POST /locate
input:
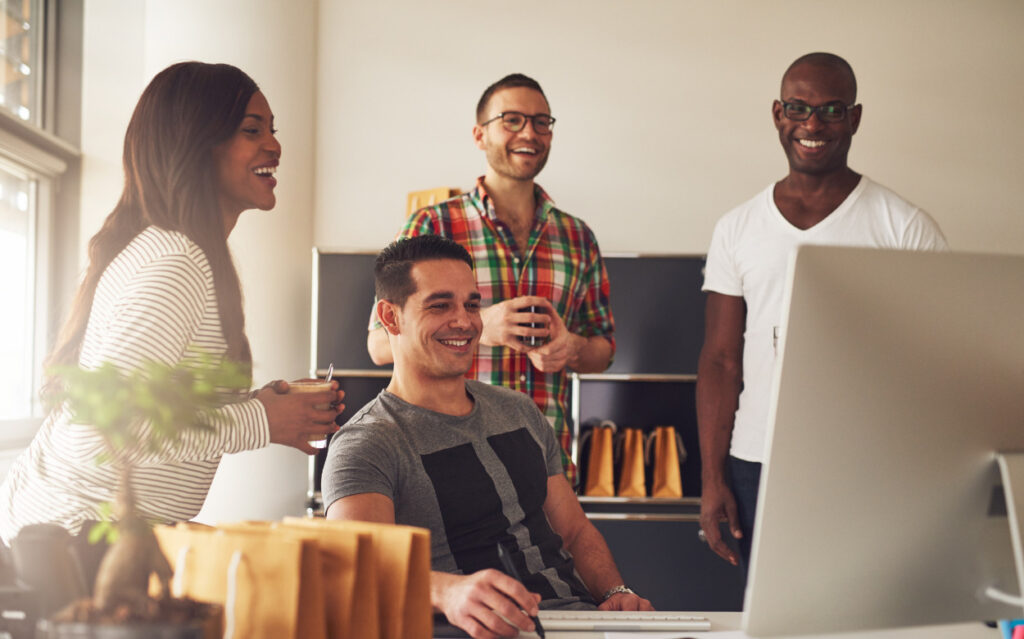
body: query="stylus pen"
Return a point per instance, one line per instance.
(510, 568)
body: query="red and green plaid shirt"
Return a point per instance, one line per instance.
(562, 263)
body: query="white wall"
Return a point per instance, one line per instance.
(126, 43)
(663, 107)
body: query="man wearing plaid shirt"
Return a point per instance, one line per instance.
(527, 254)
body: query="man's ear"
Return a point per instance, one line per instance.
(478, 136)
(777, 113)
(854, 116)
(387, 313)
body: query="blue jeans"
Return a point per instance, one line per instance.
(745, 477)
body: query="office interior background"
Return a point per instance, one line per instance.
(663, 111)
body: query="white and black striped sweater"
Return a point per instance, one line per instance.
(155, 302)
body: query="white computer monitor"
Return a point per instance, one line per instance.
(901, 375)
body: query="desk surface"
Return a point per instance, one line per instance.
(725, 625)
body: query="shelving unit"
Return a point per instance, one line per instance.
(640, 401)
(659, 330)
(641, 508)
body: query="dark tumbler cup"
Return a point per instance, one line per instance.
(531, 340)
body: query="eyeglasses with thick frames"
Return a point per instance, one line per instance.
(514, 122)
(831, 112)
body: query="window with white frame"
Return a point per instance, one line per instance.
(18, 226)
(35, 155)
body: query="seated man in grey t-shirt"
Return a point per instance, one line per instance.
(476, 464)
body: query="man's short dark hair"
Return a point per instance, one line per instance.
(508, 82)
(392, 271)
(823, 59)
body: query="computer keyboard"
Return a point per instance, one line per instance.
(610, 620)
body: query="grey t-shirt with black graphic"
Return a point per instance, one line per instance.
(473, 481)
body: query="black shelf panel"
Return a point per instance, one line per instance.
(659, 312)
(343, 294)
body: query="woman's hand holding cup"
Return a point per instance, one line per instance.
(302, 413)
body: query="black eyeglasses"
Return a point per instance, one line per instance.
(831, 112)
(514, 121)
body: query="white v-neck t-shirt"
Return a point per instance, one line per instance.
(748, 258)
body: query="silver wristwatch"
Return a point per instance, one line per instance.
(616, 590)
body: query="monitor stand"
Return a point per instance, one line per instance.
(1011, 467)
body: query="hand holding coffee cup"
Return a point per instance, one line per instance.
(301, 412)
(533, 340)
(313, 386)
(512, 322)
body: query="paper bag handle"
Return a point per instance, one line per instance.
(680, 448)
(592, 425)
(178, 582)
(232, 595)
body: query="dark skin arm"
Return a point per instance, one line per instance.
(719, 379)
(294, 418)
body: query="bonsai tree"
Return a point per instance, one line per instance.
(173, 400)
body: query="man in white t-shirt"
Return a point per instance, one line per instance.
(821, 201)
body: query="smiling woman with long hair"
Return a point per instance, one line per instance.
(161, 286)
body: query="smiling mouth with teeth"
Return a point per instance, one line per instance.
(265, 171)
(811, 144)
(525, 150)
(454, 342)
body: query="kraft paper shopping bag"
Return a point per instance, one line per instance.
(352, 595)
(632, 481)
(269, 586)
(402, 555)
(600, 480)
(669, 454)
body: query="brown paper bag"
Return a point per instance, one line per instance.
(402, 556)
(269, 586)
(600, 480)
(350, 579)
(631, 476)
(349, 576)
(312, 620)
(669, 453)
